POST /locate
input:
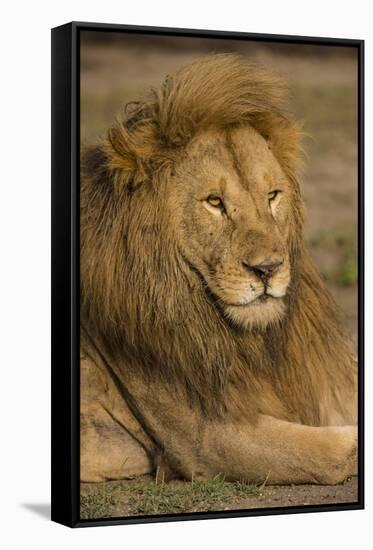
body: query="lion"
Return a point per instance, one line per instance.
(209, 342)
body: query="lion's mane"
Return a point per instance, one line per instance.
(140, 302)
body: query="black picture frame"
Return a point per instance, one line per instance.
(65, 270)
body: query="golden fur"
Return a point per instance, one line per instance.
(164, 298)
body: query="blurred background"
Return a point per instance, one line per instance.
(117, 68)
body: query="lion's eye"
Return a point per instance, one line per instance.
(215, 201)
(272, 195)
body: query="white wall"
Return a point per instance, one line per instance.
(25, 261)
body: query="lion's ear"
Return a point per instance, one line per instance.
(128, 154)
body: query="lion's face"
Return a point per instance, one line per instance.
(231, 203)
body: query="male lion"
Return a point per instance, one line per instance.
(210, 345)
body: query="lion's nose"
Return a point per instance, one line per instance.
(265, 269)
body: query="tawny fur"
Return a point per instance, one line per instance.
(149, 320)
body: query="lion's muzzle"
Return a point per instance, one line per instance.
(265, 269)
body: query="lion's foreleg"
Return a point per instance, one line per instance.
(279, 452)
(267, 449)
(193, 446)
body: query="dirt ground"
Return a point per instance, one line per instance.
(323, 95)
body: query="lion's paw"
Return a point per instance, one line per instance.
(342, 461)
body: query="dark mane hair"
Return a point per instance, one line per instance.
(147, 308)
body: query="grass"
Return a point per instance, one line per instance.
(347, 274)
(340, 242)
(151, 498)
(98, 503)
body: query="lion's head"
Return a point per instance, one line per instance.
(231, 205)
(214, 155)
(193, 265)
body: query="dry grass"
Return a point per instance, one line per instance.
(144, 497)
(150, 498)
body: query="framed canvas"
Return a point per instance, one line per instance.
(207, 277)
